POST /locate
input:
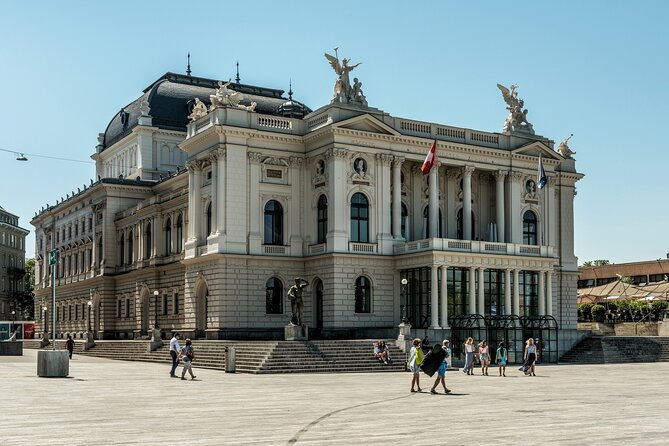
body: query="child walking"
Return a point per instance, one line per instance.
(441, 373)
(501, 359)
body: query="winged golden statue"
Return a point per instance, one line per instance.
(343, 92)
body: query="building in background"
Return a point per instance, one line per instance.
(211, 198)
(12, 266)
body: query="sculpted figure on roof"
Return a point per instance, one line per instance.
(516, 121)
(343, 91)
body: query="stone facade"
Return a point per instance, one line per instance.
(12, 265)
(253, 199)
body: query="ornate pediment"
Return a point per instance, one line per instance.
(367, 123)
(537, 148)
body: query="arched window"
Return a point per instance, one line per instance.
(460, 233)
(149, 241)
(121, 254)
(209, 218)
(363, 295)
(273, 223)
(273, 296)
(322, 219)
(359, 218)
(168, 237)
(529, 228)
(180, 234)
(405, 222)
(100, 253)
(426, 222)
(130, 246)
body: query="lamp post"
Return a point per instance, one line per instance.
(11, 329)
(156, 293)
(90, 305)
(46, 319)
(404, 299)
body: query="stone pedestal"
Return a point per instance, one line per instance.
(404, 337)
(11, 348)
(53, 363)
(156, 340)
(90, 341)
(296, 333)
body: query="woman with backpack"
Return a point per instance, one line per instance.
(415, 359)
(187, 355)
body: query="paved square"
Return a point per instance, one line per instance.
(117, 402)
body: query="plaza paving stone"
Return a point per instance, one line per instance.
(107, 402)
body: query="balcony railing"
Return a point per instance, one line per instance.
(474, 246)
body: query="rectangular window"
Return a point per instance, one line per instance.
(70, 312)
(494, 292)
(118, 308)
(127, 308)
(529, 293)
(176, 302)
(165, 304)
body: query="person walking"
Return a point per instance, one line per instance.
(530, 357)
(441, 373)
(469, 356)
(69, 345)
(484, 355)
(175, 348)
(415, 359)
(187, 354)
(501, 359)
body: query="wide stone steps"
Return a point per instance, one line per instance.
(618, 349)
(260, 357)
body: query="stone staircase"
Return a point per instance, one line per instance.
(618, 349)
(330, 357)
(255, 356)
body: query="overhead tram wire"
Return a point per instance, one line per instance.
(21, 156)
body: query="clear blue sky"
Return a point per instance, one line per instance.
(598, 69)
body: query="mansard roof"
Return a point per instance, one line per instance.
(171, 99)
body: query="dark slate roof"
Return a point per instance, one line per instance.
(171, 98)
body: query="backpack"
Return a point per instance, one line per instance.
(190, 354)
(419, 355)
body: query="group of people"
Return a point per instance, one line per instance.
(185, 354)
(381, 351)
(501, 357)
(419, 354)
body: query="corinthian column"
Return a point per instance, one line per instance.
(434, 298)
(499, 205)
(467, 202)
(397, 197)
(213, 158)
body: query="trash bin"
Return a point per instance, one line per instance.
(230, 359)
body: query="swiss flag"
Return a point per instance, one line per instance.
(430, 159)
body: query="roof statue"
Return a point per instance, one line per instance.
(343, 91)
(564, 150)
(228, 97)
(199, 110)
(144, 108)
(517, 119)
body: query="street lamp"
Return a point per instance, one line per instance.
(404, 299)
(46, 319)
(13, 318)
(90, 305)
(156, 293)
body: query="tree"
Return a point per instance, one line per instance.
(26, 299)
(599, 262)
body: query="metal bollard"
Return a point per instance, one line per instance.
(230, 359)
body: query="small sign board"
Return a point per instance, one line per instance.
(53, 257)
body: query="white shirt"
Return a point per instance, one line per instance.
(174, 345)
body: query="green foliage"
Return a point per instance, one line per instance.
(25, 299)
(599, 262)
(598, 312)
(658, 307)
(585, 309)
(624, 305)
(627, 279)
(640, 305)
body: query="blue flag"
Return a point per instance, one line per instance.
(541, 174)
